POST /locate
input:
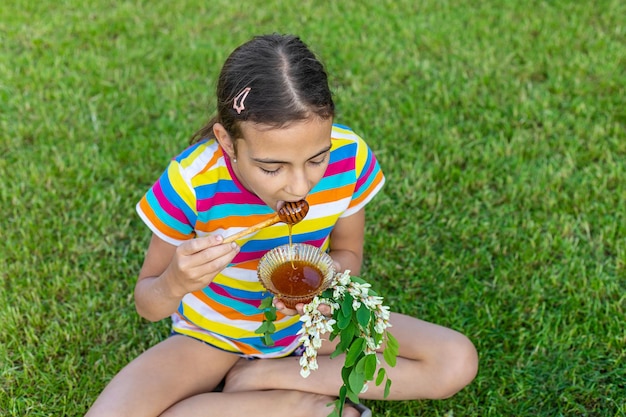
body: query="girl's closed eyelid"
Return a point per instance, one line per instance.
(268, 172)
(320, 160)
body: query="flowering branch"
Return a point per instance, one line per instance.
(360, 319)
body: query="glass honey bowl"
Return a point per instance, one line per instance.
(296, 273)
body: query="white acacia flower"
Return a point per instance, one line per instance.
(315, 324)
(316, 343)
(380, 326)
(306, 319)
(382, 311)
(344, 279)
(339, 292)
(371, 345)
(373, 301)
(304, 361)
(311, 351)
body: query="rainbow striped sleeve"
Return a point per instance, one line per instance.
(369, 177)
(169, 207)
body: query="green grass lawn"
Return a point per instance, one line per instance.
(501, 127)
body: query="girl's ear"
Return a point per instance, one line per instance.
(225, 141)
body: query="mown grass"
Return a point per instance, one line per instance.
(501, 127)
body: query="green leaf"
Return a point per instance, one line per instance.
(349, 332)
(376, 337)
(328, 293)
(381, 376)
(347, 335)
(262, 328)
(266, 303)
(341, 400)
(358, 280)
(343, 321)
(345, 375)
(353, 396)
(346, 305)
(389, 356)
(355, 350)
(363, 315)
(338, 351)
(356, 381)
(387, 388)
(267, 339)
(270, 314)
(370, 366)
(335, 412)
(341, 347)
(360, 365)
(392, 343)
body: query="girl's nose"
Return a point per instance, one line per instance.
(298, 186)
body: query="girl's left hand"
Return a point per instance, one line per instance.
(280, 307)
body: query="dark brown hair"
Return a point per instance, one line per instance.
(287, 83)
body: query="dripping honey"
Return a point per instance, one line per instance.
(297, 278)
(290, 240)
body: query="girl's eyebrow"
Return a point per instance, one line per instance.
(276, 161)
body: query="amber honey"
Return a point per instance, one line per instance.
(297, 278)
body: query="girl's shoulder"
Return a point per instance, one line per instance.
(347, 141)
(342, 131)
(201, 156)
(199, 150)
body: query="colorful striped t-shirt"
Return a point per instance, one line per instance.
(199, 195)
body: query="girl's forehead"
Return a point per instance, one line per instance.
(312, 129)
(306, 136)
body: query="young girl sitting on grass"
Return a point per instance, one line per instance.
(272, 141)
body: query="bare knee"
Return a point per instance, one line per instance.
(459, 366)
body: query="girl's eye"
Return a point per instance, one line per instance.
(319, 161)
(268, 172)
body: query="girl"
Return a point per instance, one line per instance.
(272, 141)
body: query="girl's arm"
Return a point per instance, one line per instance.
(346, 242)
(169, 272)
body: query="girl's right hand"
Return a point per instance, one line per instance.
(196, 263)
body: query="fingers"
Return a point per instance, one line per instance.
(198, 261)
(212, 260)
(199, 244)
(299, 308)
(282, 308)
(325, 310)
(219, 255)
(204, 251)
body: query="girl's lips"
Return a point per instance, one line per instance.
(281, 203)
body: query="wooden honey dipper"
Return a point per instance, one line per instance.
(291, 213)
